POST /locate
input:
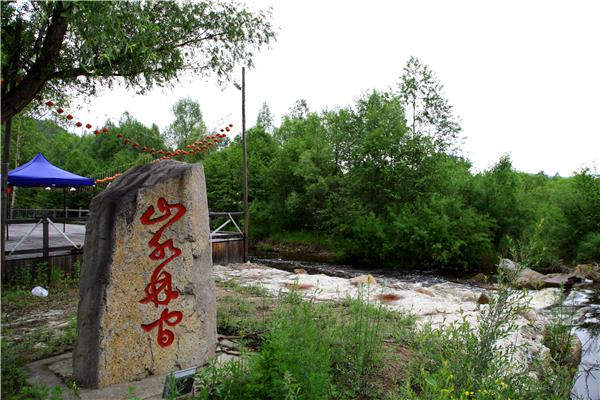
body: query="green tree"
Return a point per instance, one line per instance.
(429, 112)
(188, 124)
(58, 47)
(265, 118)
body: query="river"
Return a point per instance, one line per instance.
(582, 304)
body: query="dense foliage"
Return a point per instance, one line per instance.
(386, 197)
(380, 192)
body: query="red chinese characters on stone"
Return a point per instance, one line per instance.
(160, 291)
(165, 337)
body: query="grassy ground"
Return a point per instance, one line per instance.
(302, 349)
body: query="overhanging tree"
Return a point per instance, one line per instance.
(56, 46)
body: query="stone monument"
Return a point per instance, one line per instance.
(146, 296)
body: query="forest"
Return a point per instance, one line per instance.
(381, 182)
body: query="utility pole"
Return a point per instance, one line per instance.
(245, 168)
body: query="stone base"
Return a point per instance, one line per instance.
(58, 371)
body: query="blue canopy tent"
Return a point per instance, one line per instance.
(39, 172)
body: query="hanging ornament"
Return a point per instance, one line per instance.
(70, 117)
(78, 124)
(88, 126)
(60, 110)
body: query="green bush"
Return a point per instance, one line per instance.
(588, 249)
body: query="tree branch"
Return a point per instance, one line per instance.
(22, 94)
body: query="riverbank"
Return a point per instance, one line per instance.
(440, 340)
(385, 340)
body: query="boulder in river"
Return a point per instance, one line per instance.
(529, 279)
(364, 280)
(560, 280)
(300, 271)
(587, 271)
(483, 299)
(479, 278)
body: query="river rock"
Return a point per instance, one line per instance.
(424, 291)
(364, 280)
(483, 299)
(587, 271)
(529, 279)
(479, 278)
(147, 302)
(542, 299)
(560, 280)
(300, 271)
(508, 265)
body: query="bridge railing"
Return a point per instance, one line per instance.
(226, 225)
(223, 225)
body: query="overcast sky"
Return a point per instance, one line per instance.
(524, 76)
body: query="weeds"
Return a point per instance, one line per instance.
(466, 362)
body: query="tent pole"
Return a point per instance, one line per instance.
(64, 208)
(3, 197)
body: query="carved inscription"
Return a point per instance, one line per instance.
(160, 291)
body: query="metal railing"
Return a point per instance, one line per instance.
(220, 220)
(45, 249)
(54, 213)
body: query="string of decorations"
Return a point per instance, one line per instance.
(201, 146)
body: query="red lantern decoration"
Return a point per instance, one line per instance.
(60, 111)
(127, 140)
(231, 125)
(96, 132)
(104, 130)
(70, 117)
(119, 136)
(88, 126)
(78, 124)
(227, 129)
(49, 103)
(222, 130)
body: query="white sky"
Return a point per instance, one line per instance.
(524, 76)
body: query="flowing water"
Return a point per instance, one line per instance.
(582, 301)
(586, 302)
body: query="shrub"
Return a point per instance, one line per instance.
(589, 248)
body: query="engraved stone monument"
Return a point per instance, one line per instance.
(146, 296)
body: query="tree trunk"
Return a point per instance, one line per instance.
(4, 185)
